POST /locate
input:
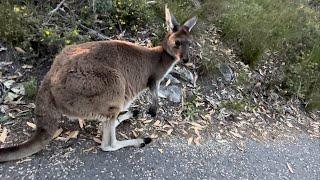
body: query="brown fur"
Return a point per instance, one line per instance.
(97, 80)
(104, 80)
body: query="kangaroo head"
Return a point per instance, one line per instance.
(178, 37)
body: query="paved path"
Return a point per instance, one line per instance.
(211, 160)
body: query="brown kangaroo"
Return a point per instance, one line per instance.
(99, 80)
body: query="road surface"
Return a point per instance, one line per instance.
(174, 159)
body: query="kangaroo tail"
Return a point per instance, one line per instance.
(32, 146)
(47, 121)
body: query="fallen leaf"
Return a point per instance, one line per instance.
(61, 139)
(184, 132)
(221, 141)
(8, 83)
(11, 96)
(160, 150)
(2, 49)
(19, 50)
(189, 64)
(197, 141)
(23, 160)
(157, 123)
(81, 123)
(169, 131)
(154, 136)
(57, 133)
(197, 132)
(31, 105)
(166, 126)
(168, 82)
(173, 122)
(196, 125)
(140, 129)
(290, 167)
(147, 121)
(134, 134)
(32, 125)
(190, 140)
(11, 115)
(240, 145)
(27, 66)
(18, 89)
(97, 140)
(89, 149)
(289, 125)
(236, 134)
(123, 135)
(3, 135)
(4, 108)
(73, 134)
(207, 117)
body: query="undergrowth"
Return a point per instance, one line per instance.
(290, 28)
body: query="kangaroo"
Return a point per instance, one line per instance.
(99, 80)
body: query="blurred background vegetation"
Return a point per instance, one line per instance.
(289, 28)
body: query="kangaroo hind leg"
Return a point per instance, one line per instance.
(110, 142)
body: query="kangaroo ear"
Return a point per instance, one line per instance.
(171, 21)
(190, 23)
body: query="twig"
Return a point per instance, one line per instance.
(151, 2)
(94, 33)
(3, 92)
(57, 8)
(90, 31)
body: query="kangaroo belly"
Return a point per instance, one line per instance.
(130, 99)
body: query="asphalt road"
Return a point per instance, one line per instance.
(175, 159)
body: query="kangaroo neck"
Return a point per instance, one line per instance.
(165, 63)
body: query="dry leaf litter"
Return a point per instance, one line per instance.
(232, 105)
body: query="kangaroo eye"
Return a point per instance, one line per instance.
(177, 43)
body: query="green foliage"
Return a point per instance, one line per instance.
(289, 27)
(191, 109)
(258, 25)
(59, 37)
(182, 9)
(15, 22)
(314, 98)
(102, 6)
(303, 76)
(237, 106)
(124, 14)
(30, 87)
(243, 78)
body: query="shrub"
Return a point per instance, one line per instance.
(303, 77)
(124, 14)
(30, 87)
(15, 22)
(289, 27)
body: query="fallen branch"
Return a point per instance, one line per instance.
(57, 8)
(92, 32)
